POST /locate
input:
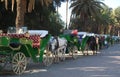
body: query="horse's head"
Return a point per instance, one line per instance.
(52, 43)
(57, 42)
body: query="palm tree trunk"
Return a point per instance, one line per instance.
(66, 14)
(21, 9)
(57, 14)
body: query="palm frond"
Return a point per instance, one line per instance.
(13, 2)
(45, 2)
(6, 4)
(2, 0)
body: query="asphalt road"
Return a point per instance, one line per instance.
(105, 64)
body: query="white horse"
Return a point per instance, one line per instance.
(58, 47)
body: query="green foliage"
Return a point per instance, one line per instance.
(7, 18)
(87, 11)
(91, 16)
(117, 14)
(117, 20)
(41, 17)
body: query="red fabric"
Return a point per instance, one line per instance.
(36, 40)
(75, 32)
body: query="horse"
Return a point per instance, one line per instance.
(92, 44)
(58, 47)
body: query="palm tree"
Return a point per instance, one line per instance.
(86, 10)
(21, 9)
(57, 4)
(20, 13)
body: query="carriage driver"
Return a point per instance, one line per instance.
(27, 35)
(74, 34)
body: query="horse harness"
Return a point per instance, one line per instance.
(57, 45)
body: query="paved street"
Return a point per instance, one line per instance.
(105, 64)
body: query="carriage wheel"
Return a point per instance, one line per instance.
(2, 65)
(73, 51)
(61, 54)
(3, 61)
(47, 57)
(19, 63)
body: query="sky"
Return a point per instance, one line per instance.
(62, 10)
(112, 3)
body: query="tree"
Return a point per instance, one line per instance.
(22, 8)
(117, 20)
(86, 10)
(7, 17)
(117, 14)
(57, 3)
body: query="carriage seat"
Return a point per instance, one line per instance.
(14, 45)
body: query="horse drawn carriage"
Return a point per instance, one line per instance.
(15, 49)
(79, 41)
(88, 42)
(38, 45)
(72, 43)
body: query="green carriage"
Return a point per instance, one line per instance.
(74, 45)
(88, 42)
(16, 49)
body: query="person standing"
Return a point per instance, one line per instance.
(97, 42)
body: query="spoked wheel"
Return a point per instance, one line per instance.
(19, 63)
(61, 54)
(47, 57)
(73, 52)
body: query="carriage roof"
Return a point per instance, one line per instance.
(67, 32)
(42, 33)
(82, 34)
(12, 30)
